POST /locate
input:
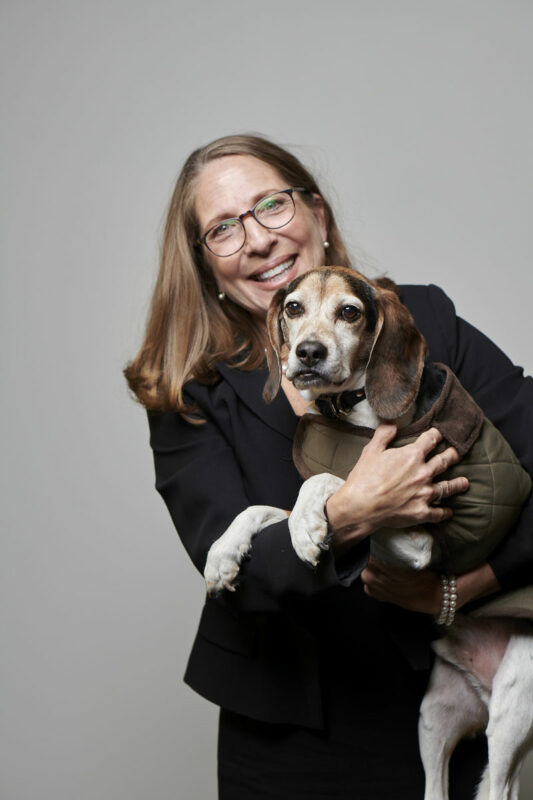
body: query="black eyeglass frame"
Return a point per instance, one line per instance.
(251, 213)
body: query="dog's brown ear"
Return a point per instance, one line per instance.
(274, 345)
(396, 361)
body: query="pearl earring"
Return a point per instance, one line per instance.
(326, 244)
(221, 295)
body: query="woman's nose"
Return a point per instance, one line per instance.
(258, 238)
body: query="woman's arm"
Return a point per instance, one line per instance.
(200, 480)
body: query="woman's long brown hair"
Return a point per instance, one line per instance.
(188, 330)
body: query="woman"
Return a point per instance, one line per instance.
(318, 679)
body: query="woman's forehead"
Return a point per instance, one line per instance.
(229, 185)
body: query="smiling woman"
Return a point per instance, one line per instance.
(319, 682)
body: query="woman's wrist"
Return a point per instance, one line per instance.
(476, 583)
(346, 528)
(458, 591)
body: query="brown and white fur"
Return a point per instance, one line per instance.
(342, 332)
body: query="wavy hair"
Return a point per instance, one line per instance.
(187, 329)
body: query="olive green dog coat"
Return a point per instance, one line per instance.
(499, 485)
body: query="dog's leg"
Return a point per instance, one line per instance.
(227, 552)
(307, 523)
(450, 710)
(510, 728)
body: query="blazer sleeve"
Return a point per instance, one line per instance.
(506, 397)
(200, 481)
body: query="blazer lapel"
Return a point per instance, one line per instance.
(249, 387)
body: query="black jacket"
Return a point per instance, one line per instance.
(255, 652)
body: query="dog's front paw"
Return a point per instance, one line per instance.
(227, 553)
(223, 564)
(307, 524)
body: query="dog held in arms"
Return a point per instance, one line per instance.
(353, 345)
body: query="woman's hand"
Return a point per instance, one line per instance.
(392, 487)
(421, 590)
(416, 590)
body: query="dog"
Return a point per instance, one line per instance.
(354, 350)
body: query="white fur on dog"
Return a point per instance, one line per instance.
(227, 552)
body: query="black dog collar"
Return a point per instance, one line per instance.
(335, 406)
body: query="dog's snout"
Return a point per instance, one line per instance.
(311, 352)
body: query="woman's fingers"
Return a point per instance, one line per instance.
(443, 461)
(383, 436)
(428, 440)
(399, 486)
(444, 489)
(436, 514)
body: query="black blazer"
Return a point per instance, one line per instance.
(255, 652)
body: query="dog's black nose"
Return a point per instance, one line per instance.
(311, 352)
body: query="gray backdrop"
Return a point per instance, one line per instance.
(417, 117)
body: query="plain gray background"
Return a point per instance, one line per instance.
(417, 117)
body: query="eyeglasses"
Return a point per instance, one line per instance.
(274, 211)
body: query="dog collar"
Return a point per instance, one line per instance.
(336, 406)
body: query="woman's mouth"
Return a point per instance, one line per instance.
(275, 272)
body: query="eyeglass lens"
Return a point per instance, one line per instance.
(228, 236)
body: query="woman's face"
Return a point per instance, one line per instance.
(269, 259)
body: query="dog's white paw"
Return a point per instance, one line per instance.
(307, 523)
(222, 566)
(228, 551)
(410, 548)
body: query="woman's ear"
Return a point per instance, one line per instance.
(274, 345)
(397, 358)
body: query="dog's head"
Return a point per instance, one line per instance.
(342, 330)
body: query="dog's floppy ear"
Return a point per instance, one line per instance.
(275, 343)
(396, 361)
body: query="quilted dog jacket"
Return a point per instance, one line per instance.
(482, 516)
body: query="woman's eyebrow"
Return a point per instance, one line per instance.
(228, 215)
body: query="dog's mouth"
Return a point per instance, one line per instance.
(307, 378)
(320, 383)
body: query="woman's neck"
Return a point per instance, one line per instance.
(298, 404)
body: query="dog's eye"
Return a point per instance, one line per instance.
(293, 309)
(350, 313)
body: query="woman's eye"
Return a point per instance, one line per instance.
(350, 313)
(226, 228)
(293, 309)
(268, 204)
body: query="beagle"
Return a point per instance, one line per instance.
(352, 348)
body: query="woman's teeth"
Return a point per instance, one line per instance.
(275, 271)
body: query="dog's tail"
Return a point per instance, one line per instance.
(483, 790)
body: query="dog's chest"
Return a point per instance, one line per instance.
(362, 414)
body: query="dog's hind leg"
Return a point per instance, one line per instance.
(510, 728)
(483, 788)
(450, 710)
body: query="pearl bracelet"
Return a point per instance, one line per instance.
(449, 600)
